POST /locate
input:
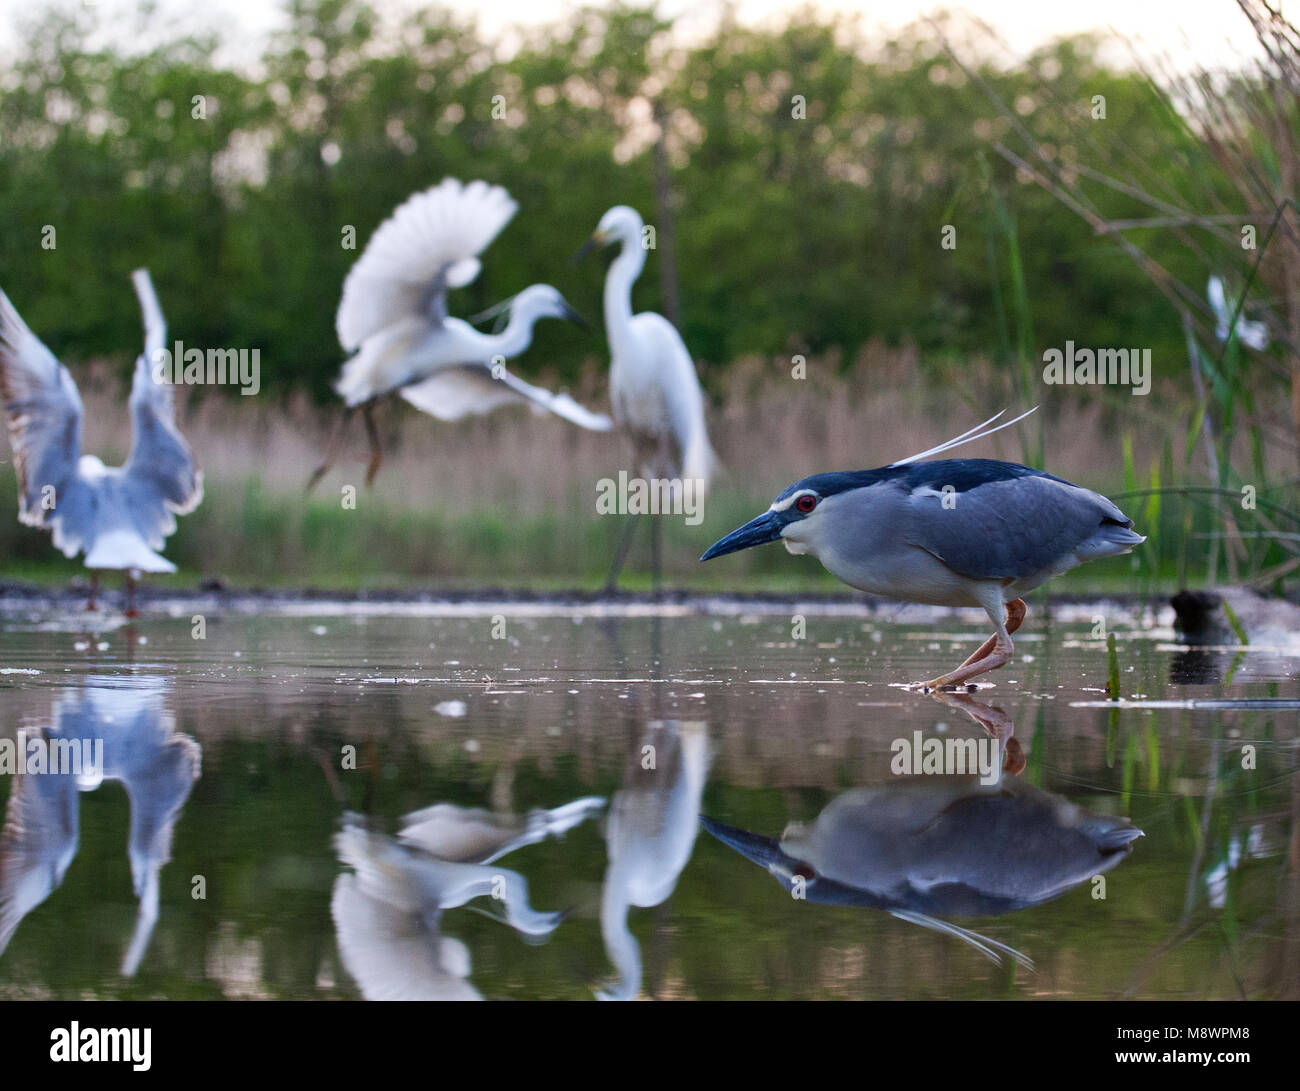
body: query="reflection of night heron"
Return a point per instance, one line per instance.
(652, 382)
(140, 749)
(650, 831)
(118, 516)
(393, 319)
(956, 532)
(943, 845)
(388, 913)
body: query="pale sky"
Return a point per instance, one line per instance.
(1191, 33)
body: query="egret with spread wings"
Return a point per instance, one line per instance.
(118, 516)
(393, 319)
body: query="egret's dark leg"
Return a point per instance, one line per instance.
(94, 590)
(131, 611)
(372, 433)
(656, 553)
(620, 552)
(992, 654)
(332, 449)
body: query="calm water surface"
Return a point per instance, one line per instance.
(506, 802)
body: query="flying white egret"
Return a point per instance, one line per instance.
(393, 319)
(653, 386)
(1251, 334)
(118, 515)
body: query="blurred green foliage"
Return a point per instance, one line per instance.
(813, 170)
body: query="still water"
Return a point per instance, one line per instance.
(320, 801)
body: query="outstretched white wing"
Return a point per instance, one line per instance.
(44, 415)
(37, 844)
(457, 392)
(160, 478)
(428, 245)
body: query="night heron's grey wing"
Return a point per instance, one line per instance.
(456, 392)
(428, 245)
(44, 414)
(998, 521)
(37, 844)
(160, 478)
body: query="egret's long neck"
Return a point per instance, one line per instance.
(512, 340)
(623, 272)
(620, 945)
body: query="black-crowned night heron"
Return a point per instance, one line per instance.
(118, 515)
(947, 845)
(653, 386)
(393, 319)
(954, 532)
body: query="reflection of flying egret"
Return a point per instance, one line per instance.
(650, 831)
(948, 845)
(956, 532)
(653, 386)
(141, 749)
(388, 912)
(118, 516)
(393, 319)
(1251, 334)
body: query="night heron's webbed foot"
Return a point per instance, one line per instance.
(993, 653)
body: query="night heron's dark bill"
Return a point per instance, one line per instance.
(766, 528)
(764, 851)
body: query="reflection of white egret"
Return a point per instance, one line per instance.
(388, 913)
(156, 766)
(472, 834)
(650, 831)
(119, 516)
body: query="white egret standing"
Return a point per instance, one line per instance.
(118, 515)
(653, 386)
(393, 318)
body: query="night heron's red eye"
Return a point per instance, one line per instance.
(805, 503)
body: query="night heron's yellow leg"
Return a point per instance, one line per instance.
(992, 654)
(996, 722)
